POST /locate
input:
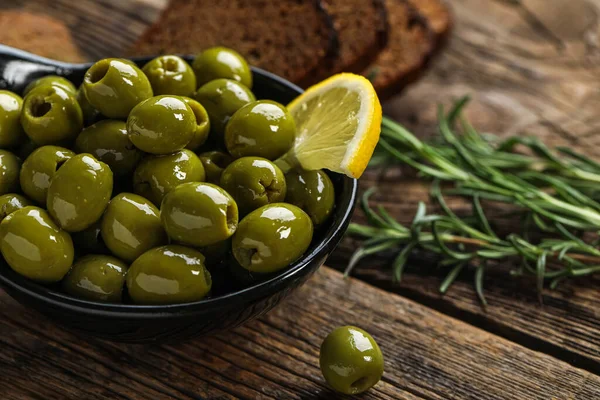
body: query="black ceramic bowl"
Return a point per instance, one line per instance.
(131, 323)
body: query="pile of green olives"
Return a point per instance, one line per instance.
(153, 185)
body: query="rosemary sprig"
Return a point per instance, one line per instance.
(554, 189)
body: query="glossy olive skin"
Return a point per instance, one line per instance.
(313, 192)
(109, 142)
(11, 132)
(96, 278)
(10, 166)
(170, 75)
(253, 182)
(52, 80)
(79, 192)
(39, 168)
(156, 176)
(264, 128)
(161, 125)
(131, 226)
(168, 275)
(222, 98)
(34, 246)
(90, 114)
(271, 237)
(89, 240)
(221, 62)
(214, 163)
(114, 86)
(202, 124)
(51, 115)
(350, 360)
(199, 214)
(12, 202)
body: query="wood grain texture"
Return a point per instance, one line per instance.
(428, 356)
(531, 66)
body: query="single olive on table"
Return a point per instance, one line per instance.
(350, 360)
(144, 185)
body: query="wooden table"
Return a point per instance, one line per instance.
(530, 65)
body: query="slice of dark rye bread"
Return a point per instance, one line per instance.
(291, 38)
(362, 28)
(411, 44)
(438, 16)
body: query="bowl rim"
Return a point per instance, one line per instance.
(333, 235)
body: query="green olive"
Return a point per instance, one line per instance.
(168, 275)
(161, 124)
(108, 141)
(51, 115)
(313, 192)
(52, 80)
(202, 124)
(96, 278)
(39, 168)
(214, 163)
(170, 75)
(156, 176)
(12, 202)
(350, 360)
(89, 240)
(222, 98)
(272, 237)
(253, 182)
(11, 132)
(199, 214)
(114, 86)
(34, 246)
(10, 167)
(221, 62)
(131, 226)
(79, 192)
(90, 114)
(263, 129)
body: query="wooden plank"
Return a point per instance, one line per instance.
(428, 356)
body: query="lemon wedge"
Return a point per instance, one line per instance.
(338, 122)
